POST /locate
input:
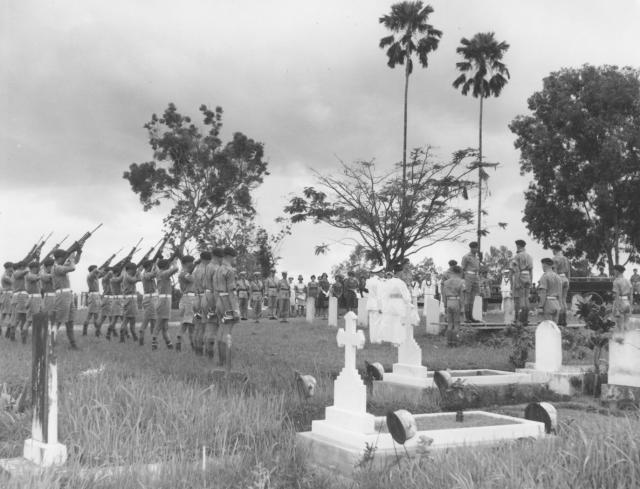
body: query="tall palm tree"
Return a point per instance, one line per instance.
(415, 37)
(484, 73)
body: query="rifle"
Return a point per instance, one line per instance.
(158, 254)
(77, 245)
(127, 258)
(48, 255)
(106, 263)
(33, 249)
(148, 254)
(36, 253)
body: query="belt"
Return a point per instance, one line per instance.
(524, 272)
(117, 296)
(552, 297)
(222, 294)
(151, 294)
(35, 295)
(94, 293)
(62, 290)
(470, 272)
(208, 291)
(164, 296)
(624, 297)
(453, 297)
(189, 294)
(563, 274)
(49, 294)
(273, 288)
(130, 296)
(18, 292)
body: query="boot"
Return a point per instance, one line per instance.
(72, 341)
(210, 350)
(85, 327)
(222, 353)
(524, 316)
(23, 334)
(169, 345)
(154, 343)
(98, 330)
(141, 338)
(562, 318)
(179, 343)
(12, 335)
(122, 336)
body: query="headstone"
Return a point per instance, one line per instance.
(43, 448)
(333, 311)
(575, 300)
(349, 410)
(624, 360)
(477, 308)
(432, 314)
(509, 310)
(311, 309)
(363, 313)
(548, 347)
(409, 364)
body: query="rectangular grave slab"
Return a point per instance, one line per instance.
(340, 450)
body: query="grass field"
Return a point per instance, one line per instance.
(162, 407)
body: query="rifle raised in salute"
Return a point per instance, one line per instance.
(57, 246)
(32, 251)
(127, 258)
(77, 245)
(109, 260)
(158, 254)
(148, 254)
(38, 250)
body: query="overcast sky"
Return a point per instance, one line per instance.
(79, 80)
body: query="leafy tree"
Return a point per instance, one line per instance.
(203, 179)
(359, 260)
(495, 261)
(581, 145)
(416, 37)
(369, 203)
(485, 75)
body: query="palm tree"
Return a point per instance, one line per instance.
(415, 36)
(484, 73)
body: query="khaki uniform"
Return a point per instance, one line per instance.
(271, 291)
(622, 292)
(242, 289)
(93, 296)
(551, 284)
(257, 288)
(453, 290)
(284, 298)
(562, 267)
(470, 265)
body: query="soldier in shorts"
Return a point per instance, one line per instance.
(187, 301)
(271, 291)
(522, 266)
(549, 291)
(20, 299)
(622, 291)
(563, 269)
(164, 271)
(470, 265)
(257, 288)
(201, 306)
(35, 303)
(48, 291)
(227, 308)
(242, 289)
(130, 301)
(453, 290)
(149, 301)
(105, 301)
(93, 300)
(211, 326)
(5, 298)
(115, 283)
(284, 298)
(64, 304)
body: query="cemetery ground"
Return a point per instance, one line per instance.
(127, 406)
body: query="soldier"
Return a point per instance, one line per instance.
(292, 298)
(271, 291)
(470, 272)
(130, 301)
(149, 301)
(105, 302)
(324, 292)
(284, 298)
(165, 269)
(64, 305)
(622, 291)
(242, 288)
(506, 290)
(115, 284)
(187, 301)
(34, 304)
(48, 290)
(563, 269)
(201, 303)
(257, 288)
(300, 291)
(211, 327)
(351, 292)
(20, 299)
(7, 293)
(522, 266)
(635, 283)
(227, 309)
(93, 300)
(453, 290)
(549, 291)
(448, 273)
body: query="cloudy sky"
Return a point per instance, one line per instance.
(79, 79)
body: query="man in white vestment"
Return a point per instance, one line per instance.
(397, 309)
(374, 286)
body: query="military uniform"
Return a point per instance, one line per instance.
(453, 290)
(622, 293)
(105, 302)
(227, 308)
(35, 303)
(186, 306)
(201, 306)
(550, 289)
(562, 267)
(5, 298)
(211, 326)
(284, 298)
(19, 301)
(64, 304)
(149, 303)
(470, 265)
(163, 311)
(94, 301)
(271, 290)
(257, 288)
(522, 266)
(242, 289)
(130, 304)
(48, 294)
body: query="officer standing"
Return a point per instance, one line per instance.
(470, 269)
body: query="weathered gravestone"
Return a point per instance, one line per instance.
(432, 314)
(477, 308)
(333, 311)
(310, 309)
(363, 312)
(623, 382)
(548, 347)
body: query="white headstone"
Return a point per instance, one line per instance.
(333, 311)
(311, 309)
(432, 314)
(548, 347)
(409, 352)
(624, 359)
(349, 410)
(477, 308)
(363, 312)
(509, 310)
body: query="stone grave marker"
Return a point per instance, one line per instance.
(477, 308)
(624, 360)
(548, 347)
(333, 311)
(432, 314)
(310, 309)
(363, 312)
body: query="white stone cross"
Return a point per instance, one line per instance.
(351, 339)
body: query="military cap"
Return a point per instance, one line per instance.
(284, 273)
(48, 262)
(163, 264)
(473, 244)
(34, 264)
(8, 264)
(556, 247)
(619, 268)
(59, 253)
(187, 259)
(457, 269)
(300, 276)
(229, 251)
(217, 252)
(351, 273)
(19, 264)
(92, 268)
(205, 255)
(243, 272)
(147, 264)
(452, 263)
(130, 266)
(547, 261)
(520, 242)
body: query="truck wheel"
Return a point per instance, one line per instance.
(575, 300)
(594, 297)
